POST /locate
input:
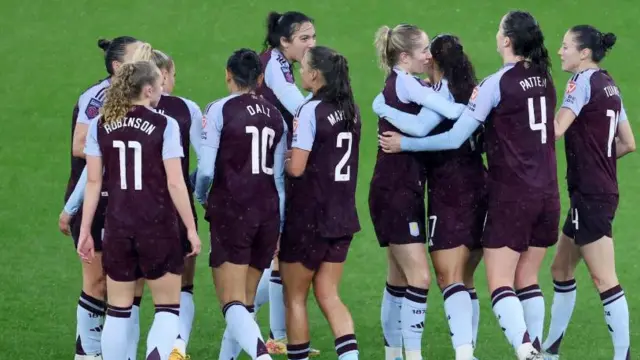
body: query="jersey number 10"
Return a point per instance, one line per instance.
(137, 163)
(258, 153)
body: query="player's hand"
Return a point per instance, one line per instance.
(194, 240)
(390, 142)
(63, 223)
(86, 248)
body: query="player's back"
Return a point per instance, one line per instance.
(455, 175)
(132, 153)
(327, 189)
(590, 140)
(520, 138)
(405, 169)
(181, 110)
(251, 128)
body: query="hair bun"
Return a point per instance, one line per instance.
(608, 40)
(104, 44)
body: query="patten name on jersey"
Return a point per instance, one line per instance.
(135, 123)
(93, 108)
(258, 109)
(532, 82)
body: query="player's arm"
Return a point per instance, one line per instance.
(409, 89)
(195, 130)
(283, 87)
(413, 125)
(210, 137)
(74, 202)
(278, 171)
(576, 96)
(88, 108)
(94, 178)
(452, 139)
(303, 137)
(172, 154)
(625, 141)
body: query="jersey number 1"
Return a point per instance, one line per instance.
(258, 155)
(542, 125)
(137, 163)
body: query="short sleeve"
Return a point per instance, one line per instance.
(171, 144)
(623, 114)
(577, 94)
(304, 127)
(212, 124)
(485, 98)
(88, 109)
(279, 78)
(92, 147)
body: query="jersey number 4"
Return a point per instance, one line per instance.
(259, 153)
(542, 125)
(137, 163)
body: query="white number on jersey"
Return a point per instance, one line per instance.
(574, 219)
(614, 117)
(259, 153)
(539, 126)
(339, 175)
(137, 163)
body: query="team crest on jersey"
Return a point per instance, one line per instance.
(571, 86)
(93, 108)
(474, 94)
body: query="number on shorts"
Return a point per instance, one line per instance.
(259, 154)
(433, 219)
(539, 126)
(614, 117)
(339, 175)
(574, 218)
(137, 163)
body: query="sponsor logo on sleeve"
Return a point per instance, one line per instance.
(93, 108)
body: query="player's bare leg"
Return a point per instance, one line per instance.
(325, 286)
(231, 288)
(450, 266)
(475, 256)
(412, 259)
(91, 310)
(164, 330)
(501, 264)
(297, 281)
(117, 324)
(565, 261)
(187, 307)
(134, 335)
(529, 293)
(600, 259)
(391, 309)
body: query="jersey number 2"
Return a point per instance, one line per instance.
(542, 125)
(137, 163)
(259, 154)
(339, 175)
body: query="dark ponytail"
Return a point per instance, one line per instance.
(588, 37)
(245, 68)
(283, 25)
(449, 55)
(527, 39)
(337, 89)
(114, 50)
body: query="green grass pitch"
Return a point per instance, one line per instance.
(49, 57)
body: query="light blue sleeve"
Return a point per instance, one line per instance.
(623, 114)
(305, 132)
(77, 196)
(577, 94)
(278, 171)
(196, 126)
(410, 89)
(452, 139)
(91, 147)
(413, 125)
(211, 132)
(171, 144)
(485, 98)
